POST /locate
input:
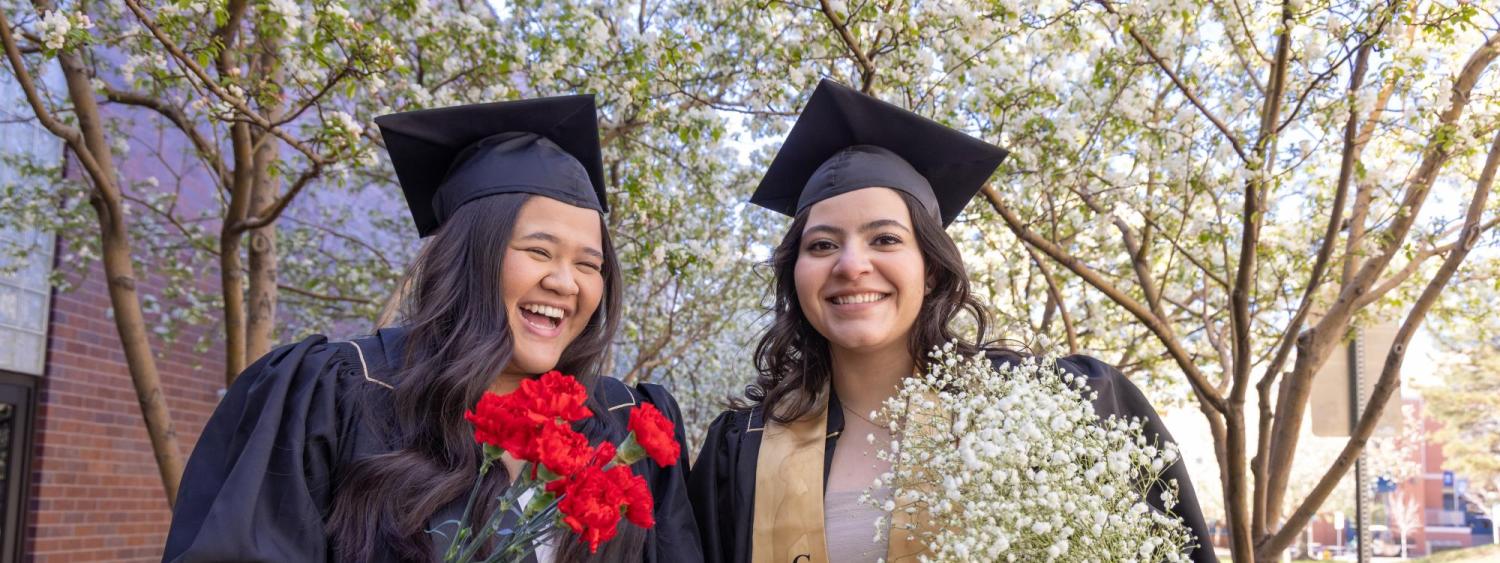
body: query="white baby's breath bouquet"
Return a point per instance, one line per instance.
(1013, 465)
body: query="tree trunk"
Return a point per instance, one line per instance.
(130, 322)
(241, 189)
(231, 276)
(260, 323)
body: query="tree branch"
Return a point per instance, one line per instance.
(1439, 149)
(1056, 293)
(313, 99)
(224, 35)
(1205, 392)
(324, 296)
(866, 67)
(1234, 140)
(1247, 523)
(91, 150)
(281, 203)
(238, 104)
(1411, 268)
(67, 133)
(207, 151)
(1361, 49)
(1315, 279)
(1331, 328)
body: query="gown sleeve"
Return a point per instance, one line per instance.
(676, 533)
(712, 486)
(258, 484)
(1117, 396)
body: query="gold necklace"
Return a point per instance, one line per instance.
(862, 417)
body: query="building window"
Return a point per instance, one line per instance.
(25, 296)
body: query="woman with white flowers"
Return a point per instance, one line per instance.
(866, 283)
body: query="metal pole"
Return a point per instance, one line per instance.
(1361, 469)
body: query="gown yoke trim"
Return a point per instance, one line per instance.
(750, 426)
(365, 369)
(623, 405)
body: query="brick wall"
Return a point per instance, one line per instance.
(96, 494)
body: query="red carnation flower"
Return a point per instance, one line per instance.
(562, 450)
(639, 504)
(501, 421)
(594, 499)
(654, 432)
(590, 505)
(554, 395)
(596, 459)
(515, 420)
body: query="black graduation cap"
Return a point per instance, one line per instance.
(845, 140)
(447, 157)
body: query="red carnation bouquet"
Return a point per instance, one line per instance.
(565, 481)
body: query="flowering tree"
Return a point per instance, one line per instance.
(675, 182)
(261, 102)
(1405, 511)
(266, 111)
(1466, 406)
(1208, 193)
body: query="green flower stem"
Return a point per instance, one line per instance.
(508, 501)
(520, 543)
(463, 529)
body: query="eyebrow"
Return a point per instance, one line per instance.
(872, 225)
(549, 237)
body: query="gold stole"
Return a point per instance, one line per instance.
(789, 492)
(789, 497)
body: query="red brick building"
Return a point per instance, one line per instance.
(95, 493)
(81, 480)
(1447, 514)
(1442, 516)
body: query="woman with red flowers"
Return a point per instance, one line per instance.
(361, 450)
(866, 284)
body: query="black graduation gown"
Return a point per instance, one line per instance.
(260, 483)
(722, 482)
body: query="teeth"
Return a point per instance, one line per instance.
(544, 310)
(858, 298)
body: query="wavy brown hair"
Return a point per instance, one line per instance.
(792, 360)
(457, 340)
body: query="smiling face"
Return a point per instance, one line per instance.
(859, 272)
(552, 280)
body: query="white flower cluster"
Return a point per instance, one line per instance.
(56, 27)
(290, 13)
(342, 124)
(1013, 465)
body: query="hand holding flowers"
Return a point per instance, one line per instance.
(565, 481)
(1013, 464)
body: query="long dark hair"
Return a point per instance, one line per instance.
(792, 360)
(457, 340)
